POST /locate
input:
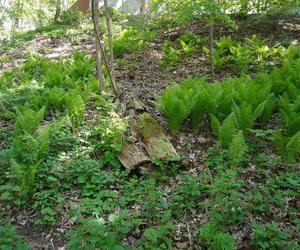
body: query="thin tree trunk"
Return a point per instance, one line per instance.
(110, 44)
(143, 7)
(95, 8)
(57, 11)
(211, 48)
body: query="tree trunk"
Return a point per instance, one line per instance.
(211, 48)
(143, 7)
(110, 39)
(95, 16)
(57, 11)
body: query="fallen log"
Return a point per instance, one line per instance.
(156, 142)
(131, 156)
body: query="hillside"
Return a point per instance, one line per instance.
(236, 182)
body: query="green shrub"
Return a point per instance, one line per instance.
(28, 120)
(269, 236)
(96, 233)
(212, 237)
(131, 40)
(75, 108)
(287, 147)
(70, 17)
(176, 104)
(170, 55)
(9, 239)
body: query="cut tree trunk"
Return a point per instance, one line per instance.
(156, 142)
(131, 156)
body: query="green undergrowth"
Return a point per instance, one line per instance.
(185, 46)
(252, 55)
(60, 137)
(9, 238)
(249, 56)
(45, 106)
(131, 40)
(234, 106)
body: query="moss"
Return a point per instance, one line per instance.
(148, 126)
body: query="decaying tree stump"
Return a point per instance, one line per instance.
(131, 156)
(148, 132)
(156, 142)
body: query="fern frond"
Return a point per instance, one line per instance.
(176, 103)
(237, 148)
(280, 142)
(227, 131)
(75, 108)
(28, 120)
(215, 124)
(259, 110)
(243, 116)
(270, 106)
(293, 147)
(294, 126)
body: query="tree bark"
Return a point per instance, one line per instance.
(57, 11)
(95, 8)
(211, 48)
(110, 42)
(143, 7)
(95, 17)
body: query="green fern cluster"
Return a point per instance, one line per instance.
(28, 120)
(49, 89)
(251, 55)
(287, 147)
(239, 103)
(176, 102)
(230, 137)
(75, 106)
(81, 68)
(287, 140)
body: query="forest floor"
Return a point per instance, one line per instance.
(140, 77)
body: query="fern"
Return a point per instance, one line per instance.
(270, 105)
(55, 97)
(293, 147)
(227, 131)
(237, 148)
(203, 102)
(245, 116)
(175, 103)
(23, 176)
(82, 67)
(28, 120)
(287, 147)
(75, 108)
(290, 114)
(54, 76)
(215, 124)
